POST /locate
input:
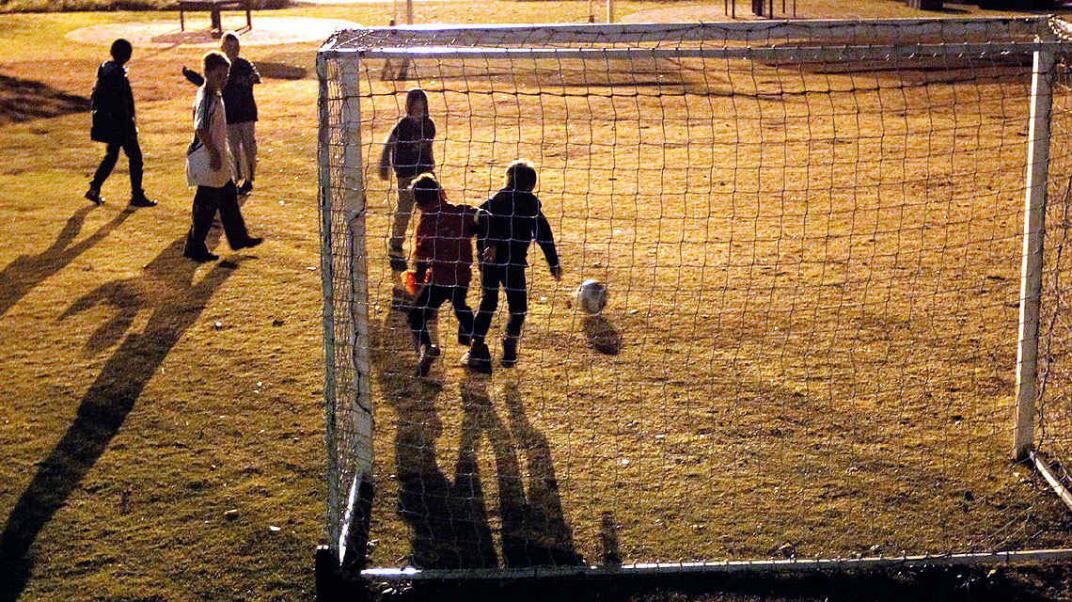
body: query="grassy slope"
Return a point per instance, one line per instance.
(231, 418)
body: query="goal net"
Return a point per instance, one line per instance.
(813, 237)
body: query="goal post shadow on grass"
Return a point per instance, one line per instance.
(458, 58)
(167, 290)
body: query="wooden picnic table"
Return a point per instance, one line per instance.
(215, 6)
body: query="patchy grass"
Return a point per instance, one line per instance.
(147, 398)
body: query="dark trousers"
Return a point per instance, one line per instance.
(512, 279)
(206, 202)
(427, 304)
(111, 155)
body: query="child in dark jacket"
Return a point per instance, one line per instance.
(443, 254)
(115, 124)
(507, 225)
(409, 150)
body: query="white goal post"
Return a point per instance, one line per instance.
(813, 232)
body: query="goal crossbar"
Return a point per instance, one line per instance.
(755, 31)
(781, 53)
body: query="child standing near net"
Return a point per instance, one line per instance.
(409, 150)
(507, 225)
(443, 257)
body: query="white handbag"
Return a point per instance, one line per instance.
(198, 165)
(199, 170)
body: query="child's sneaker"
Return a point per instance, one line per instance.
(509, 358)
(479, 358)
(427, 357)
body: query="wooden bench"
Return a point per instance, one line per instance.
(215, 6)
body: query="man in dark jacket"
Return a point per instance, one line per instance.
(115, 124)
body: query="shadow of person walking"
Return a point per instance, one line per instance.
(447, 518)
(168, 290)
(28, 271)
(534, 528)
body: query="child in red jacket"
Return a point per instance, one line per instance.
(443, 253)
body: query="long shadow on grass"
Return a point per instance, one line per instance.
(25, 100)
(168, 290)
(28, 271)
(448, 517)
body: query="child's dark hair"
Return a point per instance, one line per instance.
(214, 60)
(425, 189)
(121, 50)
(413, 96)
(521, 175)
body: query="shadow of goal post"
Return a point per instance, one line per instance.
(348, 399)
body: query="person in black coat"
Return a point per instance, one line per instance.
(506, 226)
(115, 124)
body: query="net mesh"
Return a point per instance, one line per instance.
(1055, 394)
(814, 272)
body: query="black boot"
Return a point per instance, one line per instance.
(479, 358)
(249, 243)
(138, 199)
(509, 358)
(93, 196)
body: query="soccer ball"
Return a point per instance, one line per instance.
(591, 297)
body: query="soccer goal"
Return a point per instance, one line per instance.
(838, 323)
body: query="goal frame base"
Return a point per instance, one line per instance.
(334, 584)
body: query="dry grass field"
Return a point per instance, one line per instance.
(816, 344)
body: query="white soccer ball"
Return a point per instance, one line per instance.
(591, 297)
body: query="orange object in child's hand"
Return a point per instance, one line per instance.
(409, 282)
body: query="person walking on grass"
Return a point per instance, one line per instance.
(409, 150)
(115, 124)
(443, 257)
(210, 167)
(507, 224)
(241, 110)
